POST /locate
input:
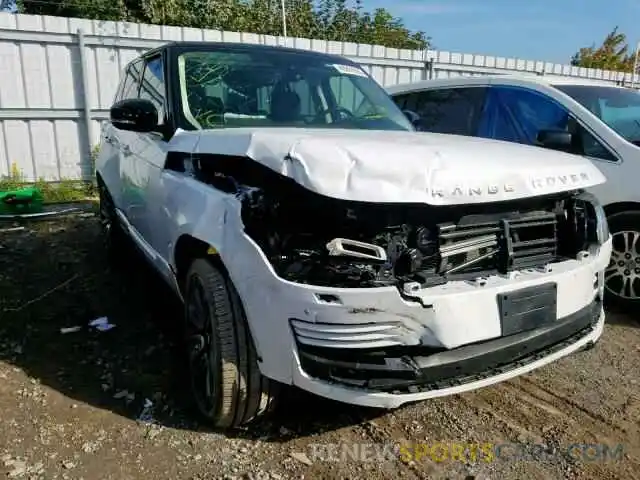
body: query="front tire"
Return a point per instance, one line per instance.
(622, 276)
(113, 234)
(227, 386)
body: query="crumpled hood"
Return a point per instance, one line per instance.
(394, 167)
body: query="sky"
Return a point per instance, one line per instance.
(549, 30)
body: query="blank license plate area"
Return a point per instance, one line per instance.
(528, 308)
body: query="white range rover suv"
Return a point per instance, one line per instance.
(591, 118)
(317, 240)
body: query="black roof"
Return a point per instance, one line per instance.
(240, 47)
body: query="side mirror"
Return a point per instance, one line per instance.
(413, 117)
(134, 114)
(555, 139)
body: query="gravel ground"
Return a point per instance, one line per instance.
(113, 404)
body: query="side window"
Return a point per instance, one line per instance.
(346, 94)
(121, 85)
(588, 144)
(131, 83)
(401, 100)
(307, 104)
(517, 115)
(263, 94)
(153, 87)
(453, 111)
(411, 100)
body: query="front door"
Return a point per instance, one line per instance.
(146, 156)
(517, 114)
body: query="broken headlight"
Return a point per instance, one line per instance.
(590, 221)
(602, 228)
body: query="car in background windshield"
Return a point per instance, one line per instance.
(619, 108)
(225, 89)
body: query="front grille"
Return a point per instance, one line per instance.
(515, 241)
(424, 244)
(531, 241)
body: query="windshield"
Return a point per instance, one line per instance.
(619, 108)
(222, 89)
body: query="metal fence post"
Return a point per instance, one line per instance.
(87, 173)
(427, 73)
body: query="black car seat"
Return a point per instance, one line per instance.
(285, 105)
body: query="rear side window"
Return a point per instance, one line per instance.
(450, 110)
(131, 83)
(123, 79)
(153, 87)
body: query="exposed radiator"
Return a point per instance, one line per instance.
(523, 241)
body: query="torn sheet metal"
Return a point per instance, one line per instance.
(401, 167)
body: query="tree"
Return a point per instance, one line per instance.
(339, 20)
(382, 28)
(613, 54)
(343, 21)
(94, 9)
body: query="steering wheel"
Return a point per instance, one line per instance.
(344, 114)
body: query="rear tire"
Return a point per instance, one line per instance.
(227, 386)
(622, 276)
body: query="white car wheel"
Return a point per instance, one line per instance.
(622, 276)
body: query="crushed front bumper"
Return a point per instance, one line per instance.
(498, 372)
(426, 370)
(378, 347)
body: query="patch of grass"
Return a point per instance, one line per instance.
(65, 190)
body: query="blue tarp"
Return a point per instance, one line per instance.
(517, 115)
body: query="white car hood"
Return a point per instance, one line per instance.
(395, 167)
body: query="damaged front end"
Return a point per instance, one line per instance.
(322, 241)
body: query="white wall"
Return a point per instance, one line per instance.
(44, 107)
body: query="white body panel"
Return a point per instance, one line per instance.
(158, 206)
(404, 167)
(621, 185)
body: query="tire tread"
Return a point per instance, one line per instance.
(245, 393)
